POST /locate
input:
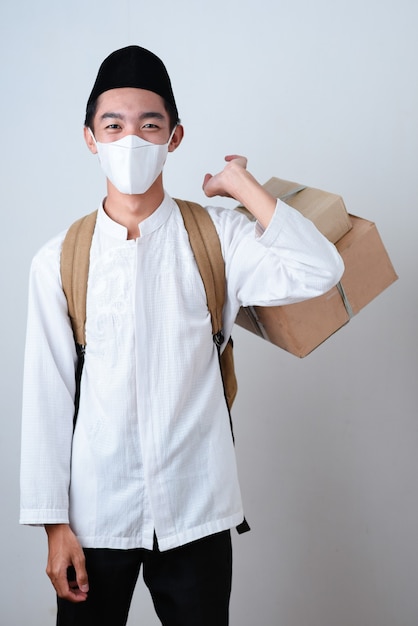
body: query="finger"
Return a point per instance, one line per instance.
(231, 157)
(74, 593)
(206, 179)
(81, 574)
(237, 157)
(210, 188)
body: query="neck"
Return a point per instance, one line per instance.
(131, 210)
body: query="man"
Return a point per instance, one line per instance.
(148, 478)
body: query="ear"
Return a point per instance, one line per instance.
(176, 138)
(88, 138)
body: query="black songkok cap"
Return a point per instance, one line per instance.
(133, 66)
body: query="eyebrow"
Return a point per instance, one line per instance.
(144, 116)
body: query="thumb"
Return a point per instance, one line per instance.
(206, 180)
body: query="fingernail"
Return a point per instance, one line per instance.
(84, 588)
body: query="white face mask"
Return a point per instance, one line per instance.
(131, 163)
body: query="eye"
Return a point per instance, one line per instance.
(113, 126)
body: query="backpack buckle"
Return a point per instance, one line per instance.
(218, 338)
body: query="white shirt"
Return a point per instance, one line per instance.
(152, 449)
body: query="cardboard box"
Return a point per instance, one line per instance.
(299, 328)
(326, 210)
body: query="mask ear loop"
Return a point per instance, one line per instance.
(171, 136)
(93, 137)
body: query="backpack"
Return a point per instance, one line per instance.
(204, 241)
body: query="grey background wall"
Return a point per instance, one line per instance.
(320, 92)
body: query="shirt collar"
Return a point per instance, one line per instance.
(146, 227)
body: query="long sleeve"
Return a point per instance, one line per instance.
(48, 395)
(288, 262)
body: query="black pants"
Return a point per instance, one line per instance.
(190, 585)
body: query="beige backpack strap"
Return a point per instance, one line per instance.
(75, 260)
(206, 248)
(204, 241)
